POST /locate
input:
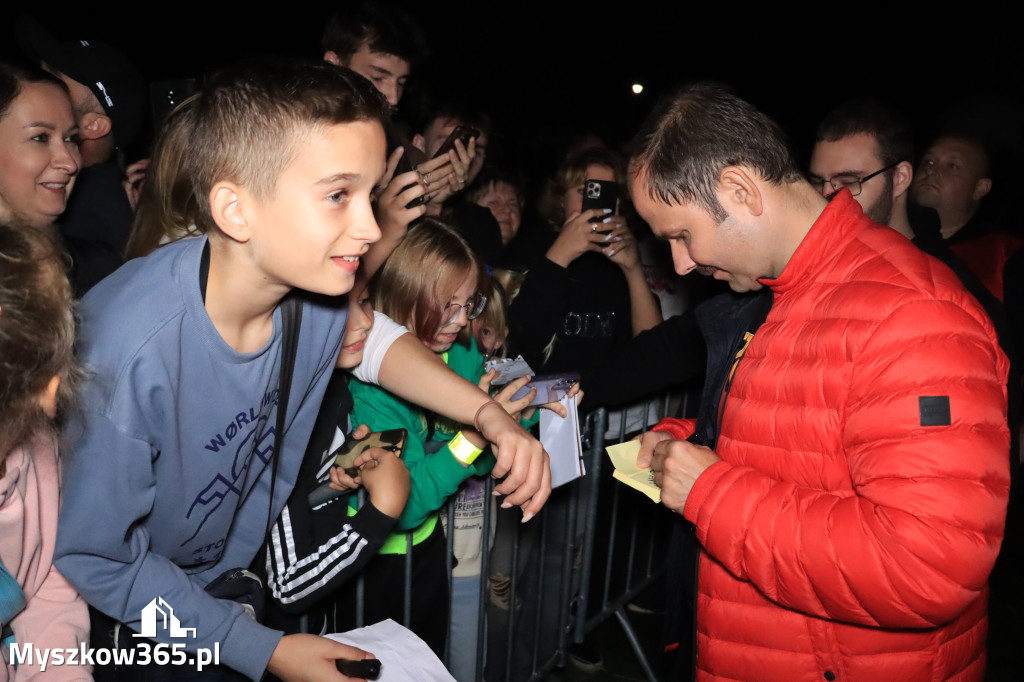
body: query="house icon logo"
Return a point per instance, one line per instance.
(159, 610)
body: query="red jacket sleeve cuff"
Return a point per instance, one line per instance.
(680, 429)
(701, 489)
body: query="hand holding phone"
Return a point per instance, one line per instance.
(366, 669)
(600, 194)
(345, 458)
(441, 180)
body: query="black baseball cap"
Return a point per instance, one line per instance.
(111, 76)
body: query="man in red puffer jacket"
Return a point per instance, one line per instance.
(853, 504)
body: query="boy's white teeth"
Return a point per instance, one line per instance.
(351, 259)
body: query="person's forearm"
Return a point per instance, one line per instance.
(412, 371)
(643, 306)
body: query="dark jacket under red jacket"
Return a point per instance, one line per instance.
(850, 528)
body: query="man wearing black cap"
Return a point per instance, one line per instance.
(108, 94)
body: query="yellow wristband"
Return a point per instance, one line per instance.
(462, 450)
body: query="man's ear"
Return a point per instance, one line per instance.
(419, 142)
(902, 176)
(981, 188)
(228, 204)
(332, 57)
(48, 398)
(93, 126)
(738, 190)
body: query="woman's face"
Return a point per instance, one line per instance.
(503, 203)
(450, 328)
(39, 156)
(357, 328)
(572, 200)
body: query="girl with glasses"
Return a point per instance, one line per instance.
(429, 284)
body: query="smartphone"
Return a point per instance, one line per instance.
(366, 669)
(550, 388)
(345, 455)
(461, 132)
(600, 194)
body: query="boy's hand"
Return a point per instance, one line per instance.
(521, 457)
(309, 658)
(389, 171)
(447, 175)
(341, 481)
(393, 213)
(386, 480)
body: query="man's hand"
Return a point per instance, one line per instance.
(393, 212)
(521, 457)
(309, 658)
(451, 169)
(676, 465)
(647, 442)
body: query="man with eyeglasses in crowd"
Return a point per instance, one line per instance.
(866, 146)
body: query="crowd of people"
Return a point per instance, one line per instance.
(291, 270)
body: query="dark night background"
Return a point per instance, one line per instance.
(548, 70)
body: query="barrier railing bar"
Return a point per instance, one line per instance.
(539, 599)
(485, 583)
(449, 512)
(612, 526)
(598, 422)
(514, 581)
(635, 644)
(407, 584)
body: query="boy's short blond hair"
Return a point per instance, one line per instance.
(249, 118)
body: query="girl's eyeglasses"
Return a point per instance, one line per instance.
(473, 308)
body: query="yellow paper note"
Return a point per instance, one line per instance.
(623, 458)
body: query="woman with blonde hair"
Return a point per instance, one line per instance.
(586, 294)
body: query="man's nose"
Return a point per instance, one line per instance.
(391, 94)
(681, 258)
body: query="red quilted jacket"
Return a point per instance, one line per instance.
(843, 539)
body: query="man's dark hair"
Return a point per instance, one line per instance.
(460, 109)
(696, 133)
(872, 117)
(382, 26)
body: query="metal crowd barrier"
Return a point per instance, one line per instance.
(568, 572)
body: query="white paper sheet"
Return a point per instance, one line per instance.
(403, 655)
(561, 439)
